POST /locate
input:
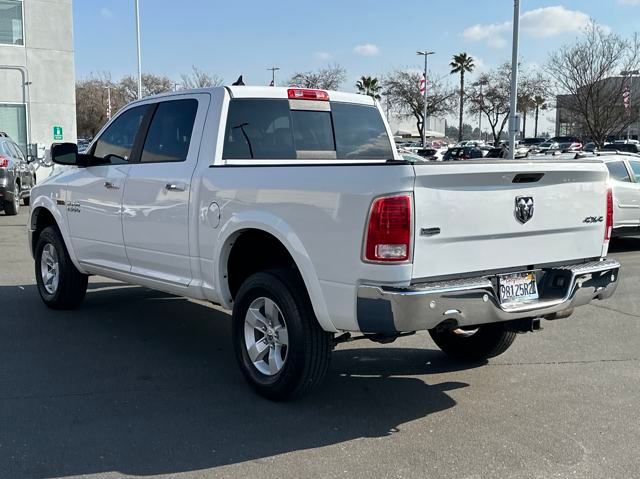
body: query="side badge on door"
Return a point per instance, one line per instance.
(524, 208)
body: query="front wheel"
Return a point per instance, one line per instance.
(281, 349)
(60, 284)
(474, 344)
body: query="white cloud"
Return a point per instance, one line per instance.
(366, 50)
(632, 3)
(324, 56)
(106, 13)
(539, 23)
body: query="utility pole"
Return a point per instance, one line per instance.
(138, 48)
(426, 54)
(513, 123)
(273, 74)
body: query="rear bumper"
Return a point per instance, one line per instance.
(474, 301)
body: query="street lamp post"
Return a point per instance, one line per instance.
(137, 2)
(426, 54)
(630, 74)
(513, 124)
(108, 87)
(273, 74)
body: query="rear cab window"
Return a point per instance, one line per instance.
(281, 129)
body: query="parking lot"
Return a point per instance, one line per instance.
(139, 383)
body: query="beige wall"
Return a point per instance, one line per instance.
(48, 57)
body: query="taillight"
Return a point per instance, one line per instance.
(307, 94)
(609, 223)
(389, 229)
(4, 162)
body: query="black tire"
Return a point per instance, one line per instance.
(487, 342)
(72, 284)
(12, 207)
(26, 200)
(309, 346)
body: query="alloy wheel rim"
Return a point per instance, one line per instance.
(16, 195)
(49, 268)
(266, 337)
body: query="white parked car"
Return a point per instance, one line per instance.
(292, 208)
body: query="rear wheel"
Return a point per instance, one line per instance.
(60, 284)
(473, 344)
(26, 200)
(12, 207)
(281, 349)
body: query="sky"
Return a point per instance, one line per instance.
(229, 38)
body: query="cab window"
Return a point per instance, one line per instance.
(116, 143)
(170, 132)
(635, 167)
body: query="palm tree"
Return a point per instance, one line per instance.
(462, 63)
(369, 86)
(540, 103)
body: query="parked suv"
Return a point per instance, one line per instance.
(17, 176)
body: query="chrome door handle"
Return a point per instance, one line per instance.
(111, 186)
(174, 187)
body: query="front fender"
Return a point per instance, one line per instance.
(50, 203)
(277, 227)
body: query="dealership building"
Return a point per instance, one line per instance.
(37, 78)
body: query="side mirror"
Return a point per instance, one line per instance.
(64, 153)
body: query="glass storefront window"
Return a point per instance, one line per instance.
(13, 121)
(11, 24)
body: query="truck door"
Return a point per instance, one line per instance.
(155, 205)
(94, 194)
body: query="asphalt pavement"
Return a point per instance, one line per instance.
(140, 383)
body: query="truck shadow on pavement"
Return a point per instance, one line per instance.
(142, 383)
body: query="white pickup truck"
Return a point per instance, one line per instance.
(292, 208)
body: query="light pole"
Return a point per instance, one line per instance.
(139, 52)
(273, 74)
(426, 54)
(108, 88)
(481, 83)
(513, 126)
(630, 74)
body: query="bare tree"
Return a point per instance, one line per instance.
(586, 76)
(151, 85)
(402, 91)
(199, 79)
(531, 86)
(92, 103)
(328, 78)
(489, 96)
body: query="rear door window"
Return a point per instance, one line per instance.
(618, 171)
(269, 129)
(170, 131)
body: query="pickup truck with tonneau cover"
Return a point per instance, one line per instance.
(292, 208)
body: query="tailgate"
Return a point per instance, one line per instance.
(466, 220)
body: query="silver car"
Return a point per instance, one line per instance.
(624, 178)
(17, 176)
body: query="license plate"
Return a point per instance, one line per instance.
(518, 287)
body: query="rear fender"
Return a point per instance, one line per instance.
(281, 230)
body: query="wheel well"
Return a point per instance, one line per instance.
(254, 251)
(41, 219)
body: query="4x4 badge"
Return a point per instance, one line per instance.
(524, 208)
